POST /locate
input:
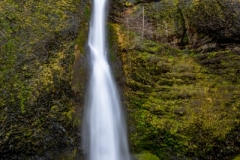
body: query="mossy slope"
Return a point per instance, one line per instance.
(180, 104)
(37, 102)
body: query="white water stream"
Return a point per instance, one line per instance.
(104, 129)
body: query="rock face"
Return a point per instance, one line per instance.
(189, 23)
(176, 63)
(181, 66)
(37, 101)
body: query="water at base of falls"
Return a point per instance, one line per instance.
(104, 129)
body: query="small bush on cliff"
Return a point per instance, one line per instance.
(146, 156)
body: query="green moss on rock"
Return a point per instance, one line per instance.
(146, 156)
(37, 102)
(180, 104)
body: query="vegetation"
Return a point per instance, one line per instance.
(147, 156)
(181, 103)
(179, 76)
(36, 54)
(237, 158)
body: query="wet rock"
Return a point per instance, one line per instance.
(37, 103)
(207, 48)
(192, 24)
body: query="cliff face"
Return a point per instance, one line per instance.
(176, 63)
(37, 101)
(181, 66)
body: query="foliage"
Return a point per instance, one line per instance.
(146, 156)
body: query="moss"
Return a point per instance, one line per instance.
(120, 35)
(83, 30)
(181, 104)
(37, 102)
(204, 20)
(163, 21)
(189, 24)
(236, 158)
(146, 156)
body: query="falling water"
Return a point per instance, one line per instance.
(104, 130)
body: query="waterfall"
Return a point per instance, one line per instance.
(104, 128)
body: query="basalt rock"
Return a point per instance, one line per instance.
(181, 72)
(39, 108)
(176, 63)
(186, 24)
